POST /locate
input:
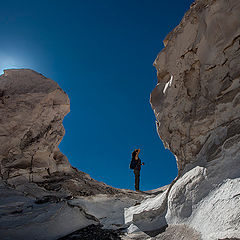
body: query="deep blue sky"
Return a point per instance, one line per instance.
(101, 53)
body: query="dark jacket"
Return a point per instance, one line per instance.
(138, 165)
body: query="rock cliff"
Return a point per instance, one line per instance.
(41, 195)
(198, 71)
(32, 108)
(197, 108)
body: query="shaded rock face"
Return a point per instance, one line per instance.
(32, 108)
(200, 110)
(197, 108)
(41, 195)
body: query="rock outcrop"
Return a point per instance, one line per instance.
(197, 108)
(201, 55)
(41, 195)
(32, 108)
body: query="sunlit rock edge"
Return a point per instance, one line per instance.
(197, 108)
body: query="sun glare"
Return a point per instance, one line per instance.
(7, 62)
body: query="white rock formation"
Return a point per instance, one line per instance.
(198, 119)
(41, 195)
(22, 217)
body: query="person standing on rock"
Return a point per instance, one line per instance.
(136, 166)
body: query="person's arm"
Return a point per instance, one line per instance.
(137, 153)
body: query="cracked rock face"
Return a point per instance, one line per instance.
(197, 107)
(200, 108)
(32, 108)
(41, 195)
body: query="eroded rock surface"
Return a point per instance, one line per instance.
(202, 56)
(41, 195)
(32, 109)
(197, 107)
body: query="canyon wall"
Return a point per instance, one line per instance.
(41, 195)
(32, 108)
(199, 110)
(197, 107)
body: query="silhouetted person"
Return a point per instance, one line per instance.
(136, 164)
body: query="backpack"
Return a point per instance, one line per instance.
(133, 164)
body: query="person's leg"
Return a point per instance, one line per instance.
(137, 179)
